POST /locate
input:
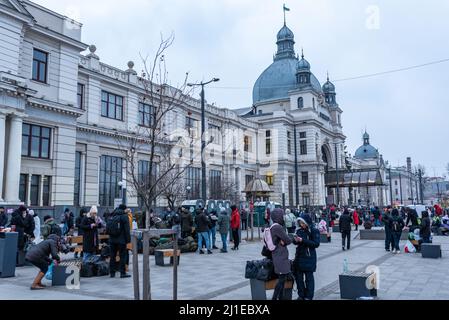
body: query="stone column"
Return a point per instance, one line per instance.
(82, 178)
(2, 151)
(28, 194)
(13, 161)
(41, 191)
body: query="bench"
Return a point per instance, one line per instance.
(78, 241)
(259, 288)
(430, 250)
(159, 256)
(353, 285)
(376, 234)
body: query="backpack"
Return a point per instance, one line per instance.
(396, 226)
(55, 229)
(113, 226)
(268, 239)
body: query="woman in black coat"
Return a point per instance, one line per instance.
(307, 239)
(89, 226)
(24, 225)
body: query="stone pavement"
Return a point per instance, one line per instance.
(221, 276)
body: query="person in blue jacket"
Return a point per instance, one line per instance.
(307, 239)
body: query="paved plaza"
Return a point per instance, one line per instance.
(221, 276)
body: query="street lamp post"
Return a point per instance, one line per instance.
(391, 189)
(122, 185)
(203, 138)
(336, 175)
(188, 192)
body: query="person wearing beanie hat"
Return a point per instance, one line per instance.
(89, 226)
(307, 239)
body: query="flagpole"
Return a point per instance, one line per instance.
(284, 14)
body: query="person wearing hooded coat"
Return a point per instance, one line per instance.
(118, 243)
(282, 265)
(39, 256)
(396, 225)
(24, 225)
(307, 239)
(223, 228)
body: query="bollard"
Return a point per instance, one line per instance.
(135, 267)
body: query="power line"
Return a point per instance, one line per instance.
(349, 78)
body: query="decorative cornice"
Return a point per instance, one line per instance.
(54, 106)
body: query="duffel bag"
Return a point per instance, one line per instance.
(251, 269)
(102, 268)
(265, 270)
(88, 270)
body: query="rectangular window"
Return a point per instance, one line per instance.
(23, 188)
(215, 184)
(306, 199)
(268, 142)
(303, 147)
(289, 142)
(77, 186)
(305, 178)
(80, 95)
(269, 178)
(193, 183)
(46, 191)
(190, 123)
(248, 179)
(146, 115)
(290, 191)
(395, 182)
(396, 191)
(247, 144)
(110, 176)
(40, 65)
(302, 135)
(35, 141)
(214, 133)
(111, 106)
(34, 190)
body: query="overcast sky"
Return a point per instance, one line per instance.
(406, 113)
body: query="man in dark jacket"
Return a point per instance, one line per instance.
(202, 230)
(307, 239)
(186, 223)
(89, 226)
(3, 217)
(345, 229)
(424, 228)
(213, 218)
(24, 225)
(388, 235)
(39, 256)
(396, 226)
(282, 265)
(119, 241)
(244, 218)
(224, 224)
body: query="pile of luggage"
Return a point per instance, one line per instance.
(260, 269)
(95, 266)
(156, 243)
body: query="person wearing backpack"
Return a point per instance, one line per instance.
(289, 219)
(396, 226)
(223, 228)
(307, 239)
(277, 240)
(119, 233)
(345, 228)
(202, 230)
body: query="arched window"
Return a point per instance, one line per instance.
(300, 103)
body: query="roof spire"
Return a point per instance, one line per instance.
(302, 53)
(285, 9)
(328, 75)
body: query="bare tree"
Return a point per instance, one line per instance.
(173, 192)
(154, 157)
(230, 191)
(422, 168)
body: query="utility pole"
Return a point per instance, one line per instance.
(336, 175)
(391, 189)
(421, 191)
(296, 167)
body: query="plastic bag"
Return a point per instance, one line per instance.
(409, 247)
(49, 274)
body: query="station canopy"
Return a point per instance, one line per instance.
(354, 178)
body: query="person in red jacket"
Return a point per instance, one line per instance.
(355, 218)
(235, 225)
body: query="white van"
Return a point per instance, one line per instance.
(419, 208)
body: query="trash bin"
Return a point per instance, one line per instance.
(8, 253)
